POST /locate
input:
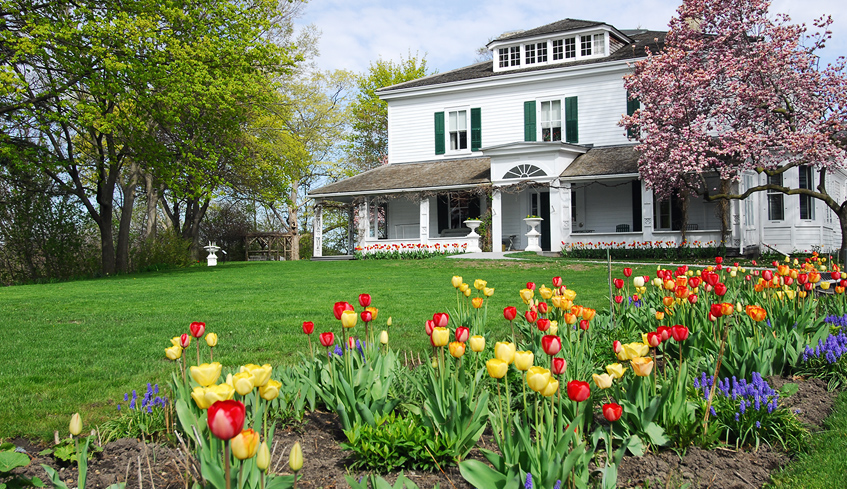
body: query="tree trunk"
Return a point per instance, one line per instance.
(129, 192)
(723, 207)
(292, 220)
(842, 220)
(150, 226)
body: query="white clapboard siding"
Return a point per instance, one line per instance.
(601, 103)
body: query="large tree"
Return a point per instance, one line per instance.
(736, 89)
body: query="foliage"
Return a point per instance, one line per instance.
(161, 252)
(661, 250)
(394, 443)
(225, 224)
(146, 418)
(368, 142)
(10, 459)
(377, 482)
(407, 251)
(827, 360)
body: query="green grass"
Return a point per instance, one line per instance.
(78, 346)
(825, 466)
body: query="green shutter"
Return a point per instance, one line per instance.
(571, 121)
(632, 104)
(476, 129)
(529, 121)
(439, 133)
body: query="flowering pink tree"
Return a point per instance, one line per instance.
(735, 90)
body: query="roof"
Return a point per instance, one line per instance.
(610, 160)
(419, 175)
(654, 40)
(558, 26)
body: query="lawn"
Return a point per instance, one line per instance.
(79, 346)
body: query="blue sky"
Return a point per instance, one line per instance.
(356, 32)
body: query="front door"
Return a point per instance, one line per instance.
(539, 205)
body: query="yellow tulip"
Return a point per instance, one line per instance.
(527, 295)
(212, 340)
(660, 315)
(505, 351)
(569, 294)
(374, 312)
(497, 368)
(632, 350)
(175, 341)
(388, 323)
(523, 360)
(75, 426)
(463, 287)
(383, 337)
(537, 378)
(476, 302)
(243, 382)
(245, 444)
(488, 292)
(554, 328)
(349, 318)
(477, 343)
(479, 284)
(642, 366)
(199, 396)
(825, 285)
(457, 281)
(206, 374)
(603, 381)
(790, 294)
(440, 336)
(263, 458)
(556, 300)
(545, 292)
(270, 391)
(174, 352)
(615, 370)
(220, 392)
(467, 292)
(457, 349)
(551, 388)
(262, 373)
(295, 458)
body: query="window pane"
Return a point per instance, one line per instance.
(542, 52)
(585, 45)
(557, 49)
(570, 48)
(775, 208)
(599, 44)
(530, 53)
(452, 126)
(504, 57)
(557, 110)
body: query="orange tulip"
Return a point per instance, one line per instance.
(457, 349)
(588, 313)
(756, 313)
(476, 302)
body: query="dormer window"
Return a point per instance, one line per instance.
(515, 56)
(585, 46)
(570, 48)
(504, 57)
(599, 44)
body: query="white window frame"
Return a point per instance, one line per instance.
(773, 197)
(514, 56)
(806, 201)
(503, 57)
(540, 120)
(749, 207)
(586, 43)
(448, 140)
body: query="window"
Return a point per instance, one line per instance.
(515, 56)
(599, 43)
(541, 49)
(503, 54)
(668, 213)
(749, 209)
(454, 208)
(529, 54)
(807, 204)
(525, 171)
(570, 47)
(776, 209)
(458, 130)
(551, 120)
(557, 50)
(585, 46)
(378, 219)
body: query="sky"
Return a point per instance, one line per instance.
(356, 32)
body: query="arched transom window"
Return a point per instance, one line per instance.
(525, 171)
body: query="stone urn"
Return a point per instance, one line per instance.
(533, 237)
(473, 237)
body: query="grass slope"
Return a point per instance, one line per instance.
(78, 346)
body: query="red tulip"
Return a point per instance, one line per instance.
(617, 346)
(530, 316)
(558, 366)
(583, 325)
(711, 278)
(679, 332)
(694, 282)
(429, 325)
(351, 342)
(367, 316)
(365, 300)
(735, 264)
(715, 310)
(718, 267)
(308, 327)
(627, 272)
(801, 279)
(664, 332)
(510, 313)
(557, 282)
(578, 390)
(530, 285)
(768, 275)
(718, 260)
(618, 283)
(340, 307)
(226, 419)
(184, 340)
(654, 339)
(543, 324)
(808, 286)
(441, 319)
(843, 283)
(612, 412)
(197, 329)
(835, 275)
(543, 307)
(327, 339)
(720, 289)
(618, 299)
(787, 280)
(754, 262)
(551, 344)
(462, 334)
(692, 299)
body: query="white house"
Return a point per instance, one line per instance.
(535, 132)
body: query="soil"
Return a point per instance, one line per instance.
(155, 466)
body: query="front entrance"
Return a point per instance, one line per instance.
(539, 205)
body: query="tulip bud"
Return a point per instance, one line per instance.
(197, 329)
(388, 323)
(295, 458)
(383, 337)
(184, 340)
(364, 300)
(76, 424)
(457, 349)
(456, 281)
(523, 360)
(477, 343)
(558, 365)
(263, 458)
(212, 340)
(245, 444)
(348, 318)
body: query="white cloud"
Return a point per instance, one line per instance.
(355, 33)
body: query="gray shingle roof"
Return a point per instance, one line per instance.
(427, 174)
(643, 39)
(610, 160)
(563, 25)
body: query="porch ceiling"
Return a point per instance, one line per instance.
(611, 160)
(405, 177)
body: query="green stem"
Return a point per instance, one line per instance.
(226, 465)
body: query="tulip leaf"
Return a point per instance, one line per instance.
(366, 414)
(11, 460)
(481, 475)
(55, 478)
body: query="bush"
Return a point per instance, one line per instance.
(167, 250)
(226, 224)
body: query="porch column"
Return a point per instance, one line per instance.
(351, 230)
(424, 221)
(496, 222)
(317, 231)
(557, 215)
(647, 214)
(567, 211)
(364, 225)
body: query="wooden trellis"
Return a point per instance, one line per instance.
(268, 246)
